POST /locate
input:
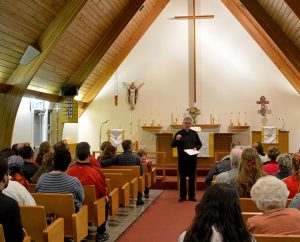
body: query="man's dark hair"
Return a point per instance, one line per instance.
(59, 146)
(14, 147)
(3, 167)
(61, 160)
(7, 152)
(273, 153)
(83, 150)
(26, 152)
(126, 144)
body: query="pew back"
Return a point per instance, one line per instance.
(276, 238)
(248, 205)
(2, 239)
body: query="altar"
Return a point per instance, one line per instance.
(221, 147)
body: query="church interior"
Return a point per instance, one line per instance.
(114, 70)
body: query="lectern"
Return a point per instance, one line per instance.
(283, 141)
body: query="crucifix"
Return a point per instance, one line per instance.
(194, 17)
(263, 109)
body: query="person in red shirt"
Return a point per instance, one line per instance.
(292, 182)
(90, 174)
(272, 167)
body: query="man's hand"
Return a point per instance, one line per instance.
(178, 137)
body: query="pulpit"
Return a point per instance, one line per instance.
(283, 141)
(222, 143)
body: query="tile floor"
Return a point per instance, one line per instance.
(117, 224)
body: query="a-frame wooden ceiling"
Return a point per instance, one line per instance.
(103, 32)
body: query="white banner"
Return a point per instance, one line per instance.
(115, 136)
(269, 135)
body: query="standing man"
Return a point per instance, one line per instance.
(186, 139)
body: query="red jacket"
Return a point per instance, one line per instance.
(271, 168)
(89, 175)
(292, 184)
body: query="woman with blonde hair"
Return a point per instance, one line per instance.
(292, 182)
(250, 169)
(45, 148)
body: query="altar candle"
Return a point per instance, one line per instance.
(211, 118)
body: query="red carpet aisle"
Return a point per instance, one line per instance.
(163, 221)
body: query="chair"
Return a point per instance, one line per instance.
(96, 207)
(62, 205)
(2, 238)
(34, 222)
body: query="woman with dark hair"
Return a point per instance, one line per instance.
(272, 167)
(45, 148)
(108, 152)
(292, 182)
(218, 217)
(260, 150)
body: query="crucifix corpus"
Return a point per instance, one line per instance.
(263, 109)
(194, 17)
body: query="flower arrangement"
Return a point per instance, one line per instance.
(194, 112)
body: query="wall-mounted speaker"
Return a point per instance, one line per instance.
(69, 91)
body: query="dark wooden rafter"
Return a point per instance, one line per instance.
(295, 6)
(82, 73)
(22, 76)
(4, 87)
(125, 51)
(281, 50)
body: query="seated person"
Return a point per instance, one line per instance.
(260, 150)
(143, 155)
(127, 158)
(285, 166)
(228, 176)
(250, 169)
(44, 149)
(223, 165)
(57, 181)
(272, 167)
(90, 175)
(218, 217)
(295, 203)
(10, 217)
(30, 167)
(15, 165)
(108, 151)
(292, 182)
(270, 195)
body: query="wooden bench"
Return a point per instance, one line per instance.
(34, 222)
(136, 171)
(248, 205)
(113, 195)
(62, 205)
(2, 238)
(276, 238)
(117, 181)
(148, 179)
(96, 207)
(129, 177)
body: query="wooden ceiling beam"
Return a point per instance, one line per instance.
(4, 87)
(22, 76)
(126, 50)
(269, 37)
(82, 73)
(294, 5)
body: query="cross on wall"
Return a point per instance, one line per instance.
(263, 108)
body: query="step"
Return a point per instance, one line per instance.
(173, 171)
(170, 183)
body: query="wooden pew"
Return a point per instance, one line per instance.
(2, 238)
(136, 170)
(113, 195)
(34, 222)
(153, 175)
(62, 205)
(117, 181)
(129, 177)
(96, 207)
(148, 180)
(276, 238)
(248, 205)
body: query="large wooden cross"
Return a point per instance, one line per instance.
(194, 17)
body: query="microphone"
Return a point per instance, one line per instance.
(105, 122)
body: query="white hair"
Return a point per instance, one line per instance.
(269, 193)
(235, 155)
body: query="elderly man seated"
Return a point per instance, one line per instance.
(270, 195)
(228, 176)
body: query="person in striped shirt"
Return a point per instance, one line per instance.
(58, 181)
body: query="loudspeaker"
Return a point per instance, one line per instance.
(69, 91)
(29, 54)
